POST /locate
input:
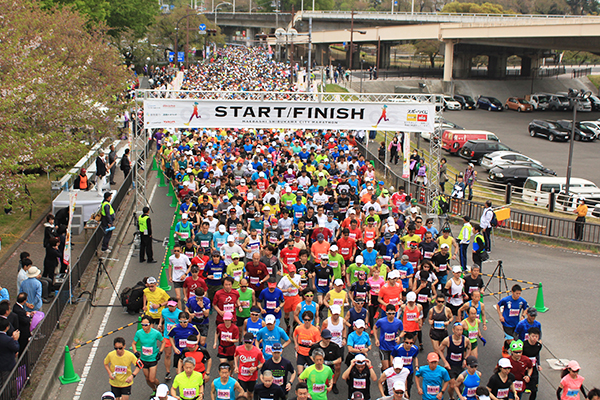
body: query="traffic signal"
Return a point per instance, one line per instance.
(211, 32)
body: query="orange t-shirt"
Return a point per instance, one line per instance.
(306, 338)
(391, 295)
(318, 249)
(370, 234)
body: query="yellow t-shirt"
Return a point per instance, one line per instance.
(446, 241)
(155, 298)
(120, 367)
(236, 272)
(189, 388)
(336, 298)
(406, 239)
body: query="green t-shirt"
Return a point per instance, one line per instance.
(375, 217)
(352, 272)
(317, 381)
(236, 272)
(288, 200)
(189, 388)
(337, 268)
(146, 344)
(245, 302)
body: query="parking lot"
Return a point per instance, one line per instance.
(511, 128)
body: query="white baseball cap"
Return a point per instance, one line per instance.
(338, 282)
(456, 268)
(414, 210)
(394, 274)
(334, 248)
(411, 296)
(398, 363)
(210, 213)
(335, 309)
(162, 390)
(370, 243)
(222, 228)
(359, 259)
(270, 319)
(445, 246)
(398, 385)
(230, 238)
(359, 323)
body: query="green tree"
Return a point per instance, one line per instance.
(430, 48)
(59, 80)
(485, 8)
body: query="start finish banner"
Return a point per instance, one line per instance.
(404, 117)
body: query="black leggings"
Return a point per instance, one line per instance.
(373, 307)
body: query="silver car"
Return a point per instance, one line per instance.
(497, 158)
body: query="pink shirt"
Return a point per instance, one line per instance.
(571, 387)
(375, 285)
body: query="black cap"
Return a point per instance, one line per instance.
(326, 334)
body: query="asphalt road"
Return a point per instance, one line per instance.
(568, 327)
(511, 128)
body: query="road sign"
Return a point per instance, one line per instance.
(171, 56)
(180, 56)
(202, 27)
(202, 32)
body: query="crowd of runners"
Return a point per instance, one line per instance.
(289, 238)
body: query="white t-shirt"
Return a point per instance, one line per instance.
(212, 225)
(320, 198)
(393, 377)
(179, 267)
(285, 283)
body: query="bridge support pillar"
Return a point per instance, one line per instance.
(462, 65)
(529, 64)
(497, 66)
(384, 55)
(448, 60)
(322, 53)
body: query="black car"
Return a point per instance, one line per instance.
(595, 100)
(466, 102)
(489, 103)
(531, 164)
(515, 174)
(582, 133)
(474, 150)
(548, 129)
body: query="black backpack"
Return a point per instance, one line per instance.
(133, 298)
(494, 220)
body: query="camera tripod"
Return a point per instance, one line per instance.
(498, 273)
(101, 268)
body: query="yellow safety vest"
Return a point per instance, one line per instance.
(102, 212)
(143, 223)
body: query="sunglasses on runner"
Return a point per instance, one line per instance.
(119, 348)
(309, 295)
(242, 286)
(145, 324)
(183, 321)
(307, 320)
(391, 313)
(176, 251)
(409, 342)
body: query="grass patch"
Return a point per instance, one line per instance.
(595, 79)
(333, 88)
(14, 225)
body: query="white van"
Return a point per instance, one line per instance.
(537, 190)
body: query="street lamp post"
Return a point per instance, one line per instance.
(362, 60)
(216, 9)
(575, 96)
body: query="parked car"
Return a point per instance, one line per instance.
(499, 157)
(558, 103)
(516, 103)
(536, 189)
(582, 133)
(453, 140)
(583, 105)
(548, 129)
(539, 101)
(466, 102)
(441, 126)
(489, 103)
(451, 104)
(595, 101)
(594, 126)
(474, 150)
(515, 174)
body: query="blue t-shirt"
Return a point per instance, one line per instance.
(180, 334)
(299, 211)
(359, 342)
(217, 270)
(369, 258)
(432, 380)
(408, 356)
(171, 319)
(271, 301)
(198, 308)
(523, 327)
(512, 310)
(388, 332)
(408, 268)
(269, 337)
(390, 252)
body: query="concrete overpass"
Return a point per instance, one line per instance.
(498, 39)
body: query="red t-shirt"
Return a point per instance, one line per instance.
(200, 261)
(347, 247)
(414, 256)
(391, 295)
(325, 231)
(190, 285)
(421, 232)
(248, 359)
(519, 370)
(355, 234)
(226, 302)
(227, 348)
(262, 185)
(290, 256)
(256, 273)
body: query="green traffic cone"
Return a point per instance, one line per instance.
(154, 166)
(69, 375)
(173, 201)
(161, 177)
(164, 282)
(170, 192)
(539, 300)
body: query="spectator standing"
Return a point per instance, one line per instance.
(9, 347)
(33, 288)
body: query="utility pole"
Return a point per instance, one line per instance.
(187, 43)
(351, 40)
(309, 54)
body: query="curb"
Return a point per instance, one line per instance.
(50, 384)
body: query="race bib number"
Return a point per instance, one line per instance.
(388, 337)
(298, 214)
(472, 334)
(254, 280)
(220, 244)
(268, 349)
(228, 307)
(245, 303)
(306, 342)
(292, 291)
(338, 302)
(533, 360)
(226, 336)
(278, 380)
(513, 313)
(502, 393)
(471, 392)
(288, 203)
(270, 270)
(407, 360)
(422, 298)
(119, 369)
(189, 393)
(473, 289)
(169, 327)
(272, 239)
(359, 346)
(352, 235)
(147, 351)
(411, 316)
(360, 383)
(204, 243)
(455, 357)
(334, 264)
(271, 305)
(217, 275)
(375, 288)
(438, 325)
(182, 343)
(387, 258)
(433, 390)
(318, 388)
(345, 251)
(245, 371)
(254, 246)
(223, 394)
(572, 392)
(518, 386)
(402, 274)
(526, 337)
(394, 301)
(184, 235)
(428, 254)
(322, 282)
(237, 275)
(336, 334)
(443, 267)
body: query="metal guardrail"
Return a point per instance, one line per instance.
(358, 14)
(28, 357)
(520, 220)
(578, 73)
